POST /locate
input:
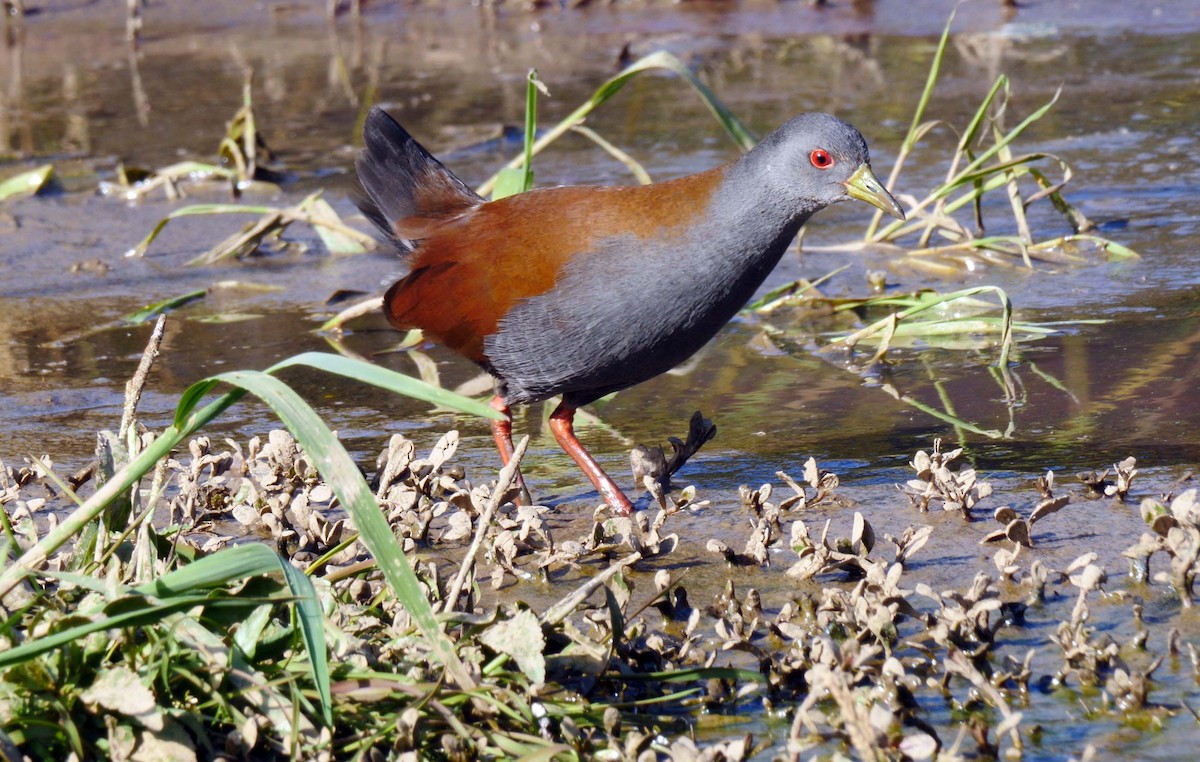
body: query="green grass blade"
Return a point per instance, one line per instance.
(659, 60)
(190, 211)
(935, 68)
(312, 629)
(519, 179)
(344, 478)
(971, 133)
(1012, 134)
(137, 615)
(388, 379)
(193, 210)
(224, 566)
(27, 183)
(953, 420)
(915, 129)
(531, 91)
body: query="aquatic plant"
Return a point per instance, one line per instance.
(1176, 533)
(977, 168)
(935, 483)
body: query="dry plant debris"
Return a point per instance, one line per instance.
(1020, 530)
(955, 490)
(1176, 532)
(857, 657)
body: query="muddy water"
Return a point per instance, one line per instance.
(75, 95)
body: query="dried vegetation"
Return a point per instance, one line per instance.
(861, 657)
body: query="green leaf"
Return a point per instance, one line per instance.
(27, 183)
(154, 310)
(531, 92)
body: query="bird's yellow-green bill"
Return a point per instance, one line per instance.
(864, 186)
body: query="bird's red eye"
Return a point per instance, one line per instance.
(821, 159)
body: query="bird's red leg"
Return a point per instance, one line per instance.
(562, 424)
(502, 434)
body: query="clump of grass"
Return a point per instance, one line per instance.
(251, 622)
(244, 154)
(985, 162)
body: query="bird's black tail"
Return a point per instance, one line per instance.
(404, 190)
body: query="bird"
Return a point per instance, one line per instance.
(582, 291)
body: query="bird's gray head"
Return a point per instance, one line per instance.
(814, 160)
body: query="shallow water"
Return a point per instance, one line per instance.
(74, 95)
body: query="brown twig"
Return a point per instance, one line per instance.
(135, 385)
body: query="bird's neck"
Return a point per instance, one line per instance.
(756, 224)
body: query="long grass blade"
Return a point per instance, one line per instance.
(388, 379)
(659, 60)
(131, 614)
(513, 180)
(191, 211)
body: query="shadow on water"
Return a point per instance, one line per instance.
(74, 94)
